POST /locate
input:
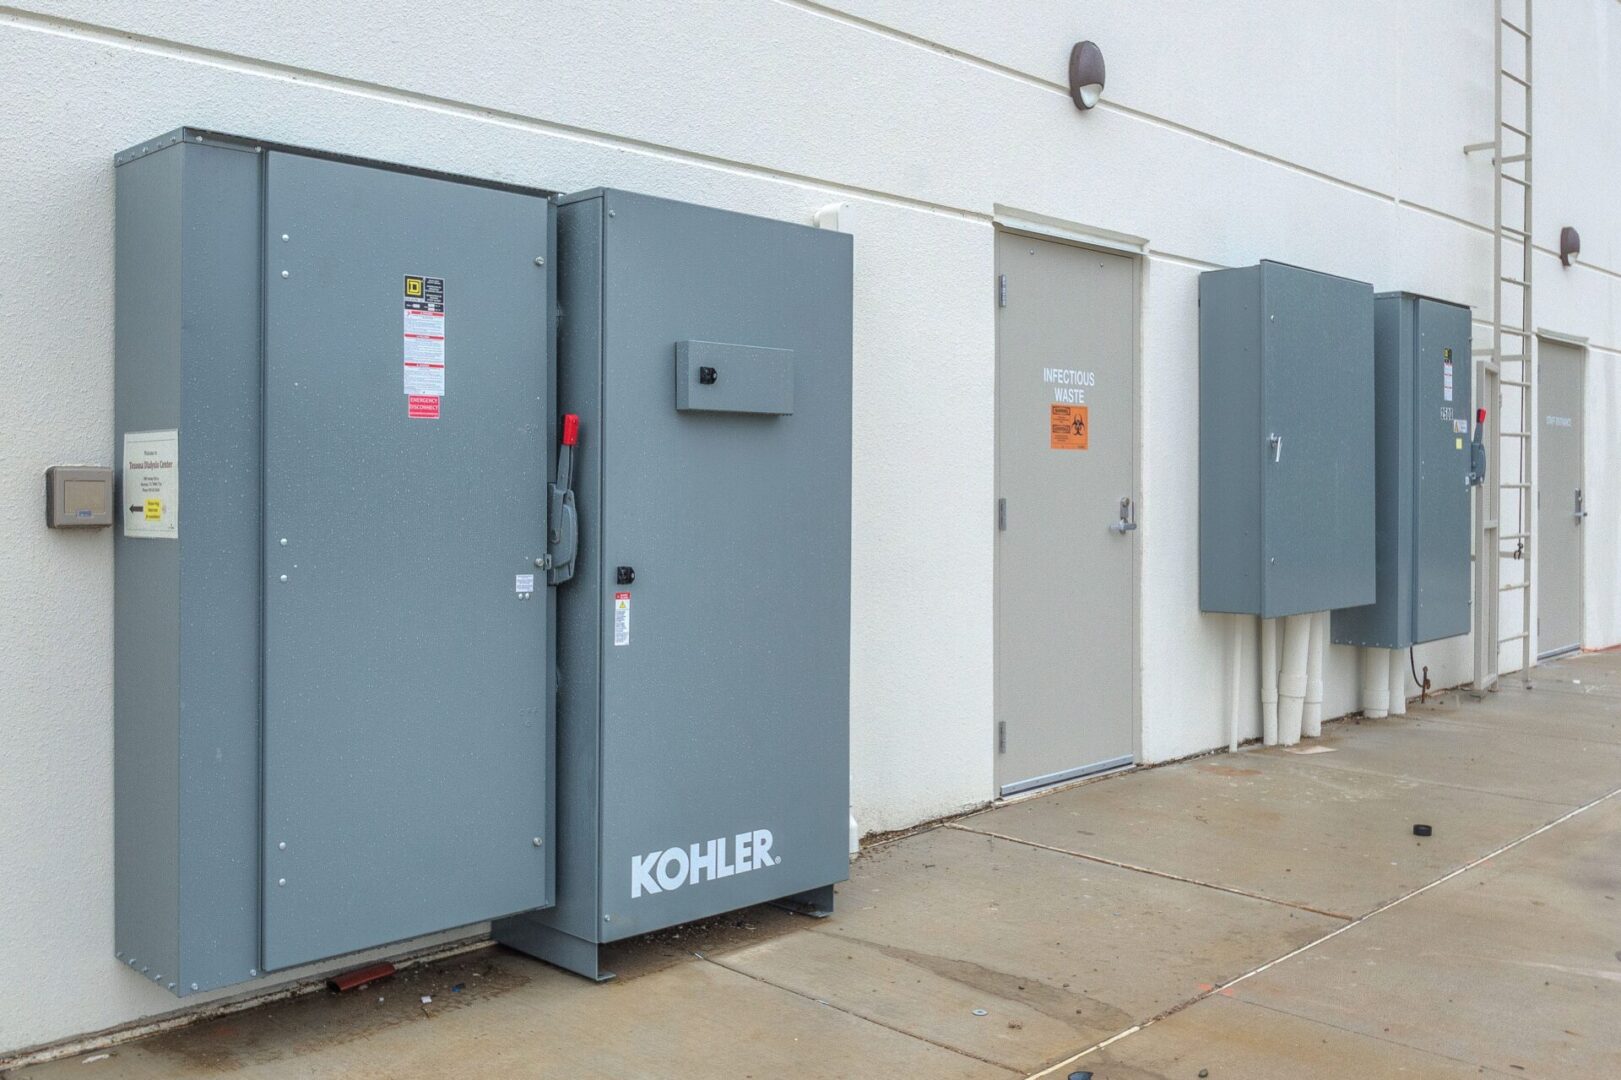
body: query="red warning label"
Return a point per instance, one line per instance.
(422, 407)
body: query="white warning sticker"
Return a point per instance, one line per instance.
(621, 618)
(152, 484)
(424, 336)
(1446, 374)
(524, 583)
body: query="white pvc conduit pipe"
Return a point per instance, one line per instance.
(1292, 677)
(1269, 682)
(1375, 683)
(1398, 682)
(1235, 675)
(1311, 718)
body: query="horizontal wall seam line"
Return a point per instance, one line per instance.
(1151, 872)
(995, 67)
(113, 37)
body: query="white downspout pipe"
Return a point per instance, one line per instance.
(1311, 719)
(1269, 682)
(1398, 682)
(1235, 676)
(1292, 677)
(1375, 683)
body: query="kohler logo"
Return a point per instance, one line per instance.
(709, 860)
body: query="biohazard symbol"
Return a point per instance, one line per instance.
(1068, 425)
(413, 287)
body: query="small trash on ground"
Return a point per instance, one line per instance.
(982, 1012)
(427, 1000)
(1080, 1076)
(458, 988)
(358, 978)
(95, 1057)
(1204, 1073)
(1422, 830)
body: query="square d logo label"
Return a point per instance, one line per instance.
(413, 287)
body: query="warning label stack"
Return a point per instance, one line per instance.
(424, 345)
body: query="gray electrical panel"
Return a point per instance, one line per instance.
(347, 532)
(1286, 487)
(704, 641)
(1423, 432)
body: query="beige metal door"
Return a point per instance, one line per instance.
(1561, 502)
(1066, 445)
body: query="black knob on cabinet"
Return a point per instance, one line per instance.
(624, 575)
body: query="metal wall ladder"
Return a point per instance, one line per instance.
(1504, 503)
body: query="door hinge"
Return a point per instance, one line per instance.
(1001, 515)
(1001, 736)
(1001, 290)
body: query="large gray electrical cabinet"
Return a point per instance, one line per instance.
(344, 542)
(1423, 429)
(1286, 485)
(704, 640)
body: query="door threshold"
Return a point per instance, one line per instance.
(1564, 650)
(1021, 786)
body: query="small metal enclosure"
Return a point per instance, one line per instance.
(704, 708)
(1422, 429)
(332, 707)
(78, 496)
(1286, 486)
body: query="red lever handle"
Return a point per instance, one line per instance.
(571, 429)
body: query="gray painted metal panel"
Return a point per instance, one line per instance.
(713, 376)
(1560, 408)
(1421, 463)
(1066, 449)
(186, 628)
(725, 712)
(1312, 362)
(407, 742)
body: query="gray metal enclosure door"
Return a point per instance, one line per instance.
(1066, 441)
(1560, 498)
(406, 741)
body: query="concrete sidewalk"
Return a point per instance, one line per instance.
(1261, 915)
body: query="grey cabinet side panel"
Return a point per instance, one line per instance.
(1385, 622)
(146, 599)
(1442, 587)
(1317, 487)
(219, 580)
(579, 600)
(727, 712)
(1230, 441)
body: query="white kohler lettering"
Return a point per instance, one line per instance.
(706, 860)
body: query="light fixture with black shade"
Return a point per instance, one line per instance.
(1570, 245)
(1085, 74)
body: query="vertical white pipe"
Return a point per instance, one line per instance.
(1235, 675)
(1398, 682)
(1269, 681)
(1292, 677)
(1375, 683)
(1311, 718)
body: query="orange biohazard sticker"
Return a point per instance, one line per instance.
(1069, 426)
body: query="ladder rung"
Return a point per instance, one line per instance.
(1514, 434)
(1515, 179)
(1512, 637)
(1510, 588)
(1521, 233)
(1513, 77)
(1517, 28)
(1516, 536)
(1514, 281)
(1521, 383)
(1511, 484)
(1512, 158)
(1521, 132)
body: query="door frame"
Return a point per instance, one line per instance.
(1580, 346)
(1107, 243)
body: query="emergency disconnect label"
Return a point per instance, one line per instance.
(424, 344)
(621, 618)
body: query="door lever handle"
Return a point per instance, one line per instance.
(1128, 517)
(1581, 506)
(1275, 441)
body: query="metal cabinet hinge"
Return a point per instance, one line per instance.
(1001, 290)
(1001, 515)
(1001, 736)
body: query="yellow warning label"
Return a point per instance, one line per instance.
(1457, 444)
(154, 509)
(413, 286)
(1069, 427)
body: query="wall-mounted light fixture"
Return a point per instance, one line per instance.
(1570, 245)
(1085, 74)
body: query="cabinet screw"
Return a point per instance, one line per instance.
(285, 274)
(536, 841)
(540, 260)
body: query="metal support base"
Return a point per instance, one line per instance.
(530, 936)
(817, 903)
